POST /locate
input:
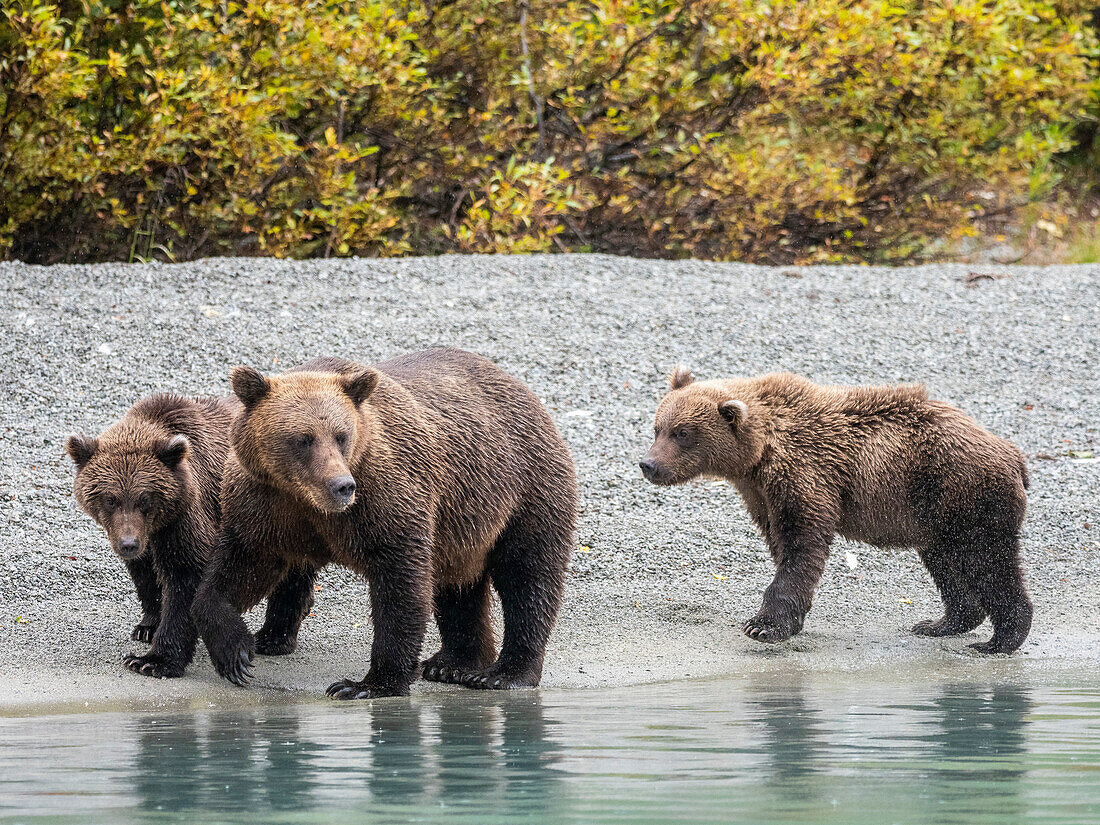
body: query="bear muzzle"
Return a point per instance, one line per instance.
(129, 548)
(654, 472)
(342, 490)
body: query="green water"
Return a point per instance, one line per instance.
(728, 751)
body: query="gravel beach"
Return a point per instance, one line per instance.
(661, 578)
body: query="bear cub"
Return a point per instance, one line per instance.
(433, 475)
(152, 481)
(883, 465)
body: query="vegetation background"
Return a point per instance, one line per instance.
(765, 130)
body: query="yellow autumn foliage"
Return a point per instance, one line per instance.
(767, 130)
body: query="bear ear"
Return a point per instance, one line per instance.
(680, 377)
(249, 385)
(80, 448)
(734, 412)
(173, 451)
(360, 385)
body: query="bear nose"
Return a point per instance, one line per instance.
(128, 546)
(649, 467)
(342, 488)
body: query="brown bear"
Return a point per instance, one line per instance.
(432, 475)
(884, 465)
(152, 481)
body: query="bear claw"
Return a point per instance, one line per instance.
(151, 665)
(238, 671)
(446, 674)
(241, 673)
(346, 689)
(765, 630)
(143, 632)
(493, 680)
(352, 689)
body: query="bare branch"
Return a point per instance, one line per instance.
(536, 101)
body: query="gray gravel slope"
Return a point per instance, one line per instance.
(662, 577)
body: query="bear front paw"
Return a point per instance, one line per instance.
(233, 660)
(365, 689)
(143, 631)
(152, 665)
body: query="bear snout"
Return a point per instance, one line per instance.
(651, 470)
(129, 547)
(342, 490)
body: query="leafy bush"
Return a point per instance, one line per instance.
(771, 131)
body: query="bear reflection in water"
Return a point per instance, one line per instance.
(823, 745)
(392, 755)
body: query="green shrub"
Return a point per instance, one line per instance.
(770, 131)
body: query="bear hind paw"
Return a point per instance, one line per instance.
(451, 669)
(948, 626)
(346, 689)
(270, 644)
(502, 678)
(447, 673)
(763, 629)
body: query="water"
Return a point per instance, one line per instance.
(726, 751)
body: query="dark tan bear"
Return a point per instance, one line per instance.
(883, 465)
(152, 480)
(432, 475)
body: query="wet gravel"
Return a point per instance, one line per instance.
(594, 337)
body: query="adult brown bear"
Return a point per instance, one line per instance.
(884, 465)
(432, 475)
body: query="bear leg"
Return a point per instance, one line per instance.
(462, 614)
(237, 578)
(962, 610)
(1000, 587)
(148, 593)
(801, 555)
(400, 604)
(287, 606)
(173, 644)
(528, 567)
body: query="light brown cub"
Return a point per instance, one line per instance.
(884, 465)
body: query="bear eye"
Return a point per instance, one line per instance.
(144, 501)
(682, 436)
(110, 501)
(301, 443)
(341, 440)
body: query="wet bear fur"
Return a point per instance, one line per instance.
(433, 475)
(883, 465)
(152, 480)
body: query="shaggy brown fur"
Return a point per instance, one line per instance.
(432, 475)
(152, 480)
(883, 465)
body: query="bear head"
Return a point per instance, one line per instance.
(700, 429)
(303, 432)
(133, 480)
